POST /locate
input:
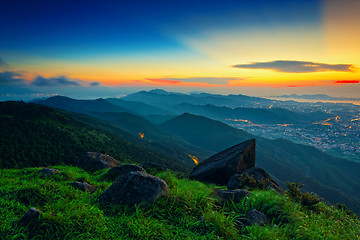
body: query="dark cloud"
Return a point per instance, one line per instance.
(94, 84)
(297, 66)
(11, 78)
(54, 81)
(208, 80)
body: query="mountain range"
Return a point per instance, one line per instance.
(172, 141)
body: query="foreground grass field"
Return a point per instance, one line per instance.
(190, 212)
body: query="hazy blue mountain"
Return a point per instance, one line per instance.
(168, 100)
(255, 115)
(138, 107)
(287, 161)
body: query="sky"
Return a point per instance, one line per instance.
(88, 49)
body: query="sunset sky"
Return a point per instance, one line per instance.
(113, 47)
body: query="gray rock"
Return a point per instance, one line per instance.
(120, 170)
(221, 167)
(83, 186)
(256, 217)
(238, 181)
(234, 195)
(30, 216)
(93, 161)
(148, 166)
(135, 188)
(49, 171)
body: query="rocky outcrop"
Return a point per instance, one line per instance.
(148, 166)
(135, 188)
(83, 186)
(253, 178)
(30, 216)
(93, 161)
(221, 167)
(231, 195)
(49, 172)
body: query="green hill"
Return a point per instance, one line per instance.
(36, 135)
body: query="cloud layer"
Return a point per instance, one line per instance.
(296, 66)
(11, 78)
(208, 80)
(17, 78)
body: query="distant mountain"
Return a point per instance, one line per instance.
(138, 107)
(74, 105)
(255, 115)
(168, 100)
(36, 135)
(326, 175)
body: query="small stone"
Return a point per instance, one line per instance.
(83, 186)
(232, 195)
(49, 171)
(93, 161)
(256, 217)
(30, 216)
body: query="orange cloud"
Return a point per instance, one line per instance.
(347, 81)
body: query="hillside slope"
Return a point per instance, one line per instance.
(321, 173)
(36, 135)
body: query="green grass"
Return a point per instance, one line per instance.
(189, 212)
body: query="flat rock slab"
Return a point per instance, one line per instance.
(232, 195)
(83, 186)
(93, 161)
(259, 175)
(221, 167)
(135, 188)
(49, 171)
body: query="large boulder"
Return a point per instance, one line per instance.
(135, 188)
(93, 161)
(117, 171)
(253, 178)
(221, 167)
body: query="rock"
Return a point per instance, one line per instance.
(49, 171)
(148, 166)
(30, 216)
(256, 217)
(135, 188)
(117, 171)
(120, 170)
(259, 178)
(83, 186)
(93, 161)
(221, 167)
(234, 195)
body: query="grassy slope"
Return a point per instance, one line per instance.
(190, 212)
